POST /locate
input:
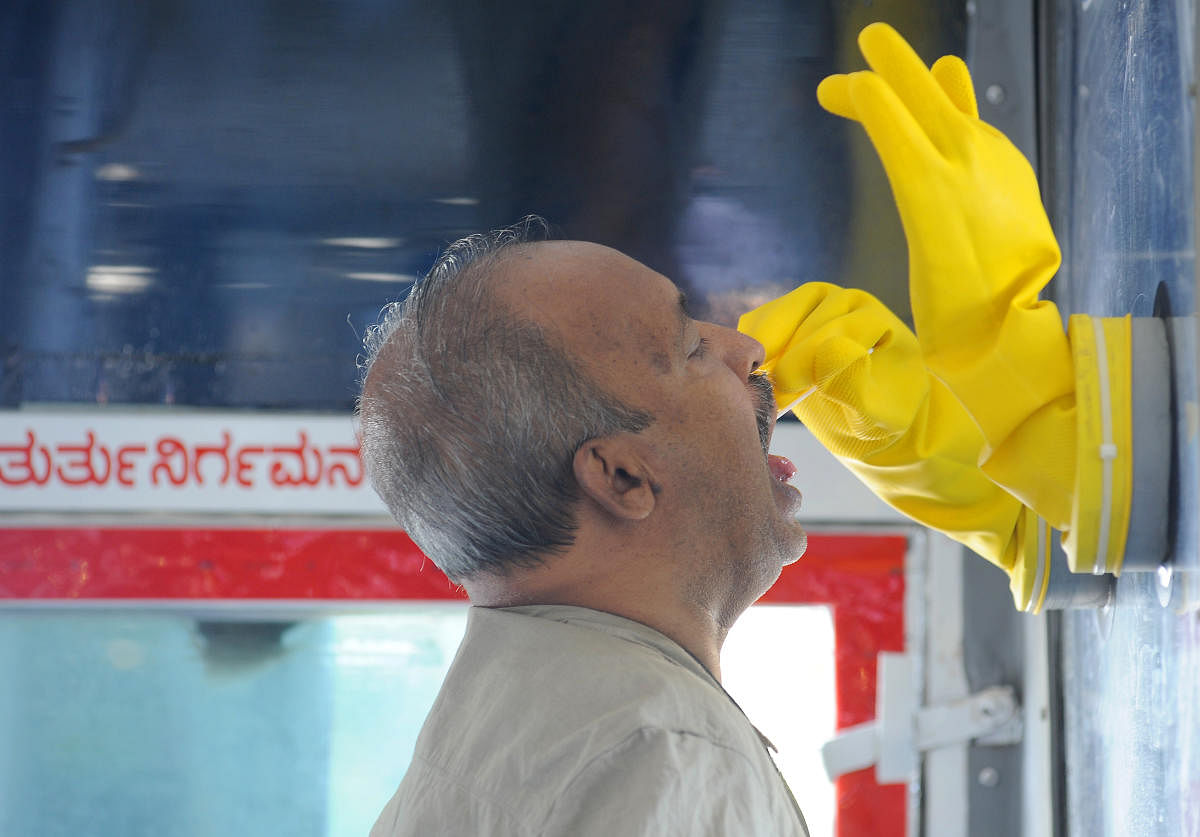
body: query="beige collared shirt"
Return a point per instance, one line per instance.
(557, 720)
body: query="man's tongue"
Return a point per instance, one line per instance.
(782, 468)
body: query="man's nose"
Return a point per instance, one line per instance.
(743, 353)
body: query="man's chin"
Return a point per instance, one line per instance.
(790, 535)
(798, 548)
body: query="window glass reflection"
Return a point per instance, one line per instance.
(209, 202)
(123, 723)
(119, 724)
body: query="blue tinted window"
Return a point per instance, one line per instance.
(206, 202)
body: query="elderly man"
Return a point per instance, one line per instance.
(590, 463)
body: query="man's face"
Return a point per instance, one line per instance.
(628, 326)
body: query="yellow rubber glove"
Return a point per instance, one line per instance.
(980, 251)
(853, 373)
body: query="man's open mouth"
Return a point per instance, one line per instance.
(764, 407)
(782, 468)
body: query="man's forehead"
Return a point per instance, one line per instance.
(578, 277)
(607, 307)
(566, 260)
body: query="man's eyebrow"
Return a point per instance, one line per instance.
(684, 316)
(685, 305)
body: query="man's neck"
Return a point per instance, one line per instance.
(652, 602)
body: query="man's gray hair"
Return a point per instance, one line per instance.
(470, 416)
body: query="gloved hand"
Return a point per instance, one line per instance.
(980, 251)
(853, 373)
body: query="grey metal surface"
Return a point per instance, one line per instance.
(1122, 130)
(1146, 543)
(1000, 48)
(993, 652)
(1132, 720)
(1068, 590)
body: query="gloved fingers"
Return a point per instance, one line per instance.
(833, 356)
(774, 323)
(954, 78)
(890, 56)
(815, 332)
(813, 363)
(866, 360)
(815, 311)
(833, 94)
(898, 138)
(866, 399)
(949, 71)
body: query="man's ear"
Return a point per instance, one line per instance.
(611, 471)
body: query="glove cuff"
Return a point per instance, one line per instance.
(1030, 576)
(1102, 352)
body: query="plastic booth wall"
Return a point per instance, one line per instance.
(206, 623)
(1121, 133)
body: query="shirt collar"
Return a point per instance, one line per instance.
(621, 627)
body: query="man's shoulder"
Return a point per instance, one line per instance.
(547, 677)
(530, 702)
(535, 712)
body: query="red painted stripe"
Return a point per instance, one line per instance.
(178, 563)
(862, 577)
(143, 563)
